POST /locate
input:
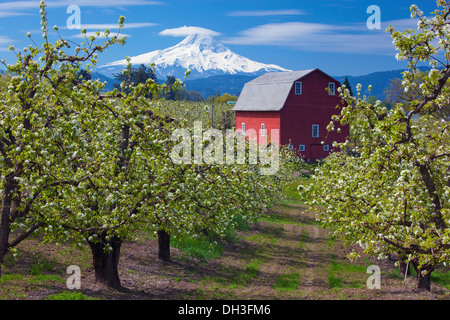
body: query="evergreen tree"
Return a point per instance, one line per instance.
(84, 75)
(348, 86)
(170, 82)
(134, 77)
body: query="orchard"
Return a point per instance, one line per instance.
(83, 165)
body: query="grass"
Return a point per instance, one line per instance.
(339, 272)
(41, 264)
(287, 282)
(200, 247)
(72, 295)
(291, 192)
(210, 246)
(10, 278)
(302, 240)
(251, 271)
(441, 278)
(277, 218)
(232, 277)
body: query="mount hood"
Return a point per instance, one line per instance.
(199, 53)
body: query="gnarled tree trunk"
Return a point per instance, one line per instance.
(105, 261)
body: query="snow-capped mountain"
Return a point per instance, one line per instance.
(201, 54)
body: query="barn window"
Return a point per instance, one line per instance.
(315, 130)
(298, 88)
(331, 86)
(326, 147)
(301, 147)
(243, 128)
(291, 146)
(263, 129)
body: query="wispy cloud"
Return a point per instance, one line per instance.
(16, 8)
(5, 41)
(103, 3)
(319, 37)
(7, 14)
(186, 31)
(104, 26)
(264, 13)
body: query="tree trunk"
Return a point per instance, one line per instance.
(5, 221)
(403, 265)
(106, 262)
(424, 277)
(163, 245)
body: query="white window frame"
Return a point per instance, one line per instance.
(243, 127)
(326, 147)
(298, 92)
(301, 147)
(315, 126)
(332, 88)
(263, 129)
(291, 146)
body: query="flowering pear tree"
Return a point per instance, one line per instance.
(38, 126)
(394, 197)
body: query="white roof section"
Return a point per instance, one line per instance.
(269, 91)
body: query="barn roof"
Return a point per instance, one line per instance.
(269, 91)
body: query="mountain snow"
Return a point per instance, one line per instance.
(201, 54)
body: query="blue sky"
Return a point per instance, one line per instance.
(295, 34)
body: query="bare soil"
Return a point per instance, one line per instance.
(284, 256)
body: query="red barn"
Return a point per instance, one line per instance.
(296, 103)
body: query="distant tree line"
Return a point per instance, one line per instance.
(173, 90)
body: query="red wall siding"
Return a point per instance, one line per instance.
(313, 106)
(254, 119)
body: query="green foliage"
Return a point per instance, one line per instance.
(226, 97)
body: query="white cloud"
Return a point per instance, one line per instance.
(5, 42)
(15, 8)
(18, 5)
(102, 27)
(186, 31)
(263, 13)
(7, 14)
(318, 37)
(278, 33)
(102, 3)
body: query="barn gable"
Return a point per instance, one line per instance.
(269, 91)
